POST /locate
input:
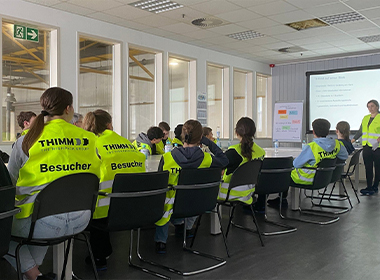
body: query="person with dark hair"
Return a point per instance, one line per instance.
(187, 156)
(160, 146)
(178, 138)
(370, 132)
(77, 120)
(343, 134)
(207, 132)
(322, 147)
(113, 161)
(25, 120)
(153, 136)
(238, 154)
(38, 159)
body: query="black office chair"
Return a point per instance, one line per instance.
(323, 175)
(275, 178)
(196, 193)
(7, 211)
(352, 165)
(70, 193)
(137, 200)
(246, 174)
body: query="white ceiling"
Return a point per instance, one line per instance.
(265, 16)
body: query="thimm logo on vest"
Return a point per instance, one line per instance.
(64, 144)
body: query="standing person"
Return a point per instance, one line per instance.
(160, 146)
(33, 159)
(343, 133)
(322, 147)
(370, 132)
(152, 137)
(238, 154)
(188, 156)
(178, 138)
(77, 120)
(25, 120)
(116, 154)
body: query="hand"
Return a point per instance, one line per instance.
(353, 140)
(378, 140)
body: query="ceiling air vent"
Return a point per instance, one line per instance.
(208, 22)
(292, 50)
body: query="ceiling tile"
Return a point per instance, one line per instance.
(328, 10)
(277, 29)
(159, 32)
(219, 40)
(228, 29)
(329, 51)
(97, 5)
(250, 3)
(126, 2)
(321, 31)
(201, 34)
(185, 14)
(238, 15)
(364, 32)
(306, 41)
(127, 12)
(292, 16)
(371, 13)
(215, 7)
(191, 2)
(291, 36)
(273, 8)
(258, 23)
(356, 25)
(44, 2)
(155, 21)
(319, 46)
(105, 17)
(179, 37)
(375, 45)
(359, 47)
(180, 28)
(278, 45)
(134, 25)
(362, 4)
(348, 42)
(310, 3)
(238, 45)
(200, 43)
(73, 9)
(262, 41)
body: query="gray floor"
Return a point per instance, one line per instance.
(348, 249)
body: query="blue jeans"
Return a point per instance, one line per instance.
(48, 227)
(162, 232)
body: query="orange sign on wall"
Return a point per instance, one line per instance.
(281, 112)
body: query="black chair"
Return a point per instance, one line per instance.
(246, 174)
(137, 200)
(70, 193)
(322, 177)
(7, 211)
(196, 193)
(352, 165)
(275, 178)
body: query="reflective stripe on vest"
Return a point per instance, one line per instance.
(139, 146)
(61, 149)
(117, 155)
(160, 148)
(306, 176)
(371, 132)
(174, 169)
(177, 141)
(241, 193)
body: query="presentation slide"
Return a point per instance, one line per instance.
(342, 96)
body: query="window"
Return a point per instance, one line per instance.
(217, 87)
(264, 106)
(26, 72)
(96, 78)
(179, 71)
(142, 87)
(240, 94)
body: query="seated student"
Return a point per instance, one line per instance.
(25, 120)
(241, 153)
(28, 169)
(188, 156)
(153, 136)
(322, 147)
(77, 120)
(178, 138)
(207, 132)
(160, 146)
(343, 133)
(99, 122)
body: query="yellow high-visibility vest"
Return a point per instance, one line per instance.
(241, 193)
(62, 149)
(306, 176)
(174, 169)
(117, 155)
(140, 145)
(371, 132)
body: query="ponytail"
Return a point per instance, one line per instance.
(246, 146)
(33, 134)
(246, 129)
(97, 121)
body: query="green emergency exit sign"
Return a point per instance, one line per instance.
(25, 33)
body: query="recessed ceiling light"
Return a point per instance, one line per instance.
(370, 39)
(246, 35)
(342, 18)
(156, 6)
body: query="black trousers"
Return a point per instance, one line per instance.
(100, 240)
(371, 158)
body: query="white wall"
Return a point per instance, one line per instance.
(70, 26)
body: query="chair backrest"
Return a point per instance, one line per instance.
(7, 210)
(196, 192)
(274, 175)
(137, 200)
(75, 192)
(5, 179)
(354, 161)
(323, 173)
(339, 169)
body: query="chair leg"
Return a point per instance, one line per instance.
(232, 210)
(353, 188)
(257, 226)
(67, 251)
(221, 229)
(196, 230)
(91, 255)
(345, 191)
(18, 263)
